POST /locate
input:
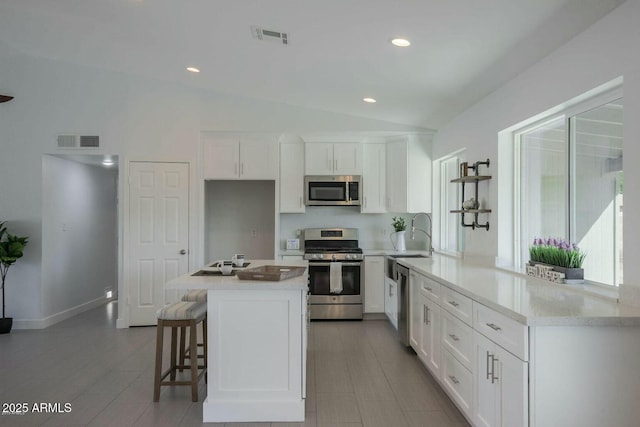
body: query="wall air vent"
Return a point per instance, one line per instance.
(89, 141)
(75, 141)
(269, 35)
(67, 141)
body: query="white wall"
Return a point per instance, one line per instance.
(373, 229)
(136, 118)
(605, 51)
(79, 235)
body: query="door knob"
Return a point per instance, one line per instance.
(183, 251)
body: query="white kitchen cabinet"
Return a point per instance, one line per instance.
(424, 324)
(500, 386)
(374, 178)
(429, 350)
(374, 284)
(292, 178)
(457, 339)
(239, 158)
(328, 158)
(458, 383)
(391, 301)
(408, 175)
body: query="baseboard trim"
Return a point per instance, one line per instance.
(58, 317)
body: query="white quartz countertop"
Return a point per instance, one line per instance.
(528, 300)
(188, 281)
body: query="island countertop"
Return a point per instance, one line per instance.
(210, 282)
(528, 300)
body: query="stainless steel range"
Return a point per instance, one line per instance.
(335, 273)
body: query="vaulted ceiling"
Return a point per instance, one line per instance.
(338, 51)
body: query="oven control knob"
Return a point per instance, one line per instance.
(348, 256)
(334, 257)
(319, 256)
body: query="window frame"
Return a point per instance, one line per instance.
(567, 112)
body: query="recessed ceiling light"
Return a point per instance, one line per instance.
(369, 100)
(108, 162)
(193, 69)
(400, 42)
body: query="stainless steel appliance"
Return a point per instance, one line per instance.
(332, 190)
(402, 280)
(335, 273)
(400, 274)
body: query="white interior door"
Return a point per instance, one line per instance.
(158, 235)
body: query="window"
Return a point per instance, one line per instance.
(451, 236)
(570, 183)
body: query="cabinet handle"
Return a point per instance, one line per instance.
(494, 377)
(427, 322)
(242, 168)
(454, 379)
(335, 163)
(494, 326)
(429, 289)
(453, 303)
(454, 337)
(489, 373)
(390, 294)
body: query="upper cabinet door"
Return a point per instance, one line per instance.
(347, 158)
(239, 158)
(292, 178)
(221, 158)
(318, 158)
(327, 158)
(373, 178)
(408, 175)
(258, 159)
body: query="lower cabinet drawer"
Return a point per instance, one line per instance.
(457, 381)
(457, 338)
(457, 304)
(507, 333)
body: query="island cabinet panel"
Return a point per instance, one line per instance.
(585, 375)
(256, 359)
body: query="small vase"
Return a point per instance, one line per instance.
(400, 244)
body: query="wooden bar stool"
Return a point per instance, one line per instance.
(183, 314)
(195, 295)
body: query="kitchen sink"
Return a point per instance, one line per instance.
(391, 265)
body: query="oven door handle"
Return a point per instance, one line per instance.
(327, 264)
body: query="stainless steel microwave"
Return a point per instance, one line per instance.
(332, 190)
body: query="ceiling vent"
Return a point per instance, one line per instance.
(75, 141)
(269, 35)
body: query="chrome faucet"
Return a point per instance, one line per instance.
(428, 233)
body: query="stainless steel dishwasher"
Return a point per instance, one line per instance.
(402, 279)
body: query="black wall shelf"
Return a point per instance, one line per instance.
(474, 180)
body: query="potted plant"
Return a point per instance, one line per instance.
(565, 257)
(399, 225)
(11, 249)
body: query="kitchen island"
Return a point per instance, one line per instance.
(257, 339)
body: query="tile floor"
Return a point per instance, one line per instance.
(358, 375)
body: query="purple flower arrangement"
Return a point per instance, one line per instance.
(556, 252)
